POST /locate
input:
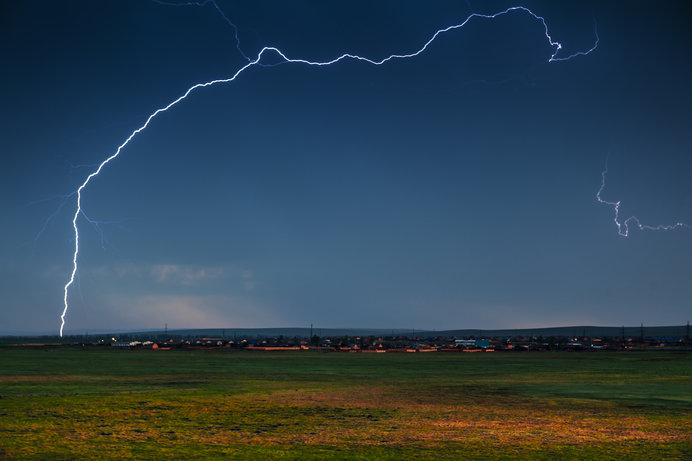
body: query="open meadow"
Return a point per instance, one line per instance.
(99, 403)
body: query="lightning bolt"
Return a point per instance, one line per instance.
(624, 226)
(284, 59)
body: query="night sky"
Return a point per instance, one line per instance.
(456, 189)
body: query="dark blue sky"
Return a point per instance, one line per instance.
(452, 190)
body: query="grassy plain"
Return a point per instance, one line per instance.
(73, 403)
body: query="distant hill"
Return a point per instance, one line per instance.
(577, 331)
(673, 331)
(288, 332)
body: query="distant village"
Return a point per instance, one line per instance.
(577, 338)
(411, 343)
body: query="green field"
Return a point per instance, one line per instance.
(73, 403)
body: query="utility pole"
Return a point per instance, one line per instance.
(641, 331)
(165, 329)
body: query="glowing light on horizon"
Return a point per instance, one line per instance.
(624, 226)
(283, 59)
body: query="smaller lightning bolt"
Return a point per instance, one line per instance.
(578, 53)
(61, 204)
(97, 225)
(223, 15)
(624, 226)
(62, 201)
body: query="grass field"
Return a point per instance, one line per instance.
(70, 403)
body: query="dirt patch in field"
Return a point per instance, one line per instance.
(406, 420)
